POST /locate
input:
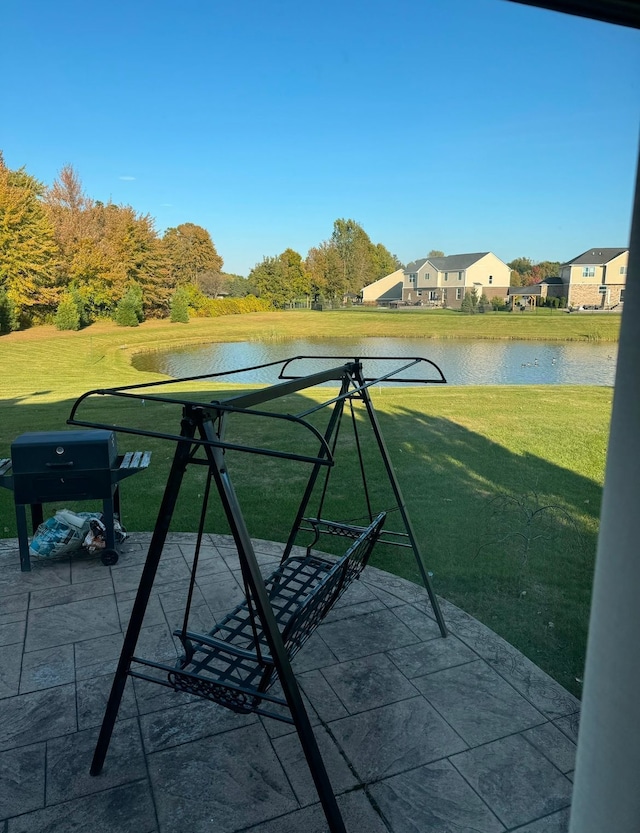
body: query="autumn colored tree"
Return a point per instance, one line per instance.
(189, 252)
(545, 269)
(70, 213)
(28, 253)
(435, 253)
(521, 271)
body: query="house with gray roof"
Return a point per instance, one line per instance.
(443, 281)
(596, 278)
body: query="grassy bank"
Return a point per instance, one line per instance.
(477, 465)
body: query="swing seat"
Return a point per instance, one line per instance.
(232, 664)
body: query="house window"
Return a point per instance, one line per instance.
(623, 270)
(588, 271)
(459, 276)
(490, 279)
(433, 295)
(621, 295)
(458, 293)
(446, 276)
(412, 277)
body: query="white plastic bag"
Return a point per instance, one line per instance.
(61, 534)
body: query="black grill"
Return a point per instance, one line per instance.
(53, 466)
(64, 465)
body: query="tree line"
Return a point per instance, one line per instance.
(334, 270)
(67, 257)
(61, 251)
(70, 258)
(526, 272)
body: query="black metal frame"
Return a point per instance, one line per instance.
(280, 613)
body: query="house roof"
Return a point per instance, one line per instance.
(553, 281)
(534, 289)
(595, 257)
(454, 263)
(415, 265)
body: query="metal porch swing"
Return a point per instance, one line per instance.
(237, 662)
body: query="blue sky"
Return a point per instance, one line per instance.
(461, 125)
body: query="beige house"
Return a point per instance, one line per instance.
(387, 290)
(443, 281)
(596, 278)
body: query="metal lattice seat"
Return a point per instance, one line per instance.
(232, 664)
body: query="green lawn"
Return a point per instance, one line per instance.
(477, 464)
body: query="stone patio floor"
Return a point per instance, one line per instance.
(419, 734)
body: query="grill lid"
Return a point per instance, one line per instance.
(44, 451)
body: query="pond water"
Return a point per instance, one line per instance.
(462, 362)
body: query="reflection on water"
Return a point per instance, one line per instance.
(462, 362)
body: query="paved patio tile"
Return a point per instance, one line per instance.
(69, 759)
(38, 716)
(398, 587)
(127, 809)
(434, 655)
(153, 615)
(289, 751)
(172, 597)
(44, 574)
(569, 725)
(543, 692)
(12, 633)
(156, 643)
(188, 722)
(315, 654)
(10, 660)
(477, 702)
(555, 823)
(222, 783)
(423, 625)
(368, 634)
(83, 568)
(322, 697)
(201, 620)
(222, 593)
(433, 799)
(64, 623)
(392, 705)
(516, 781)
(151, 697)
(22, 780)
(338, 614)
(209, 561)
(92, 696)
(97, 656)
(388, 599)
(47, 668)
(14, 604)
(71, 593)
(357, 813)
(394, 738)
(127, 576)
(365, 683)
(554, 745)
